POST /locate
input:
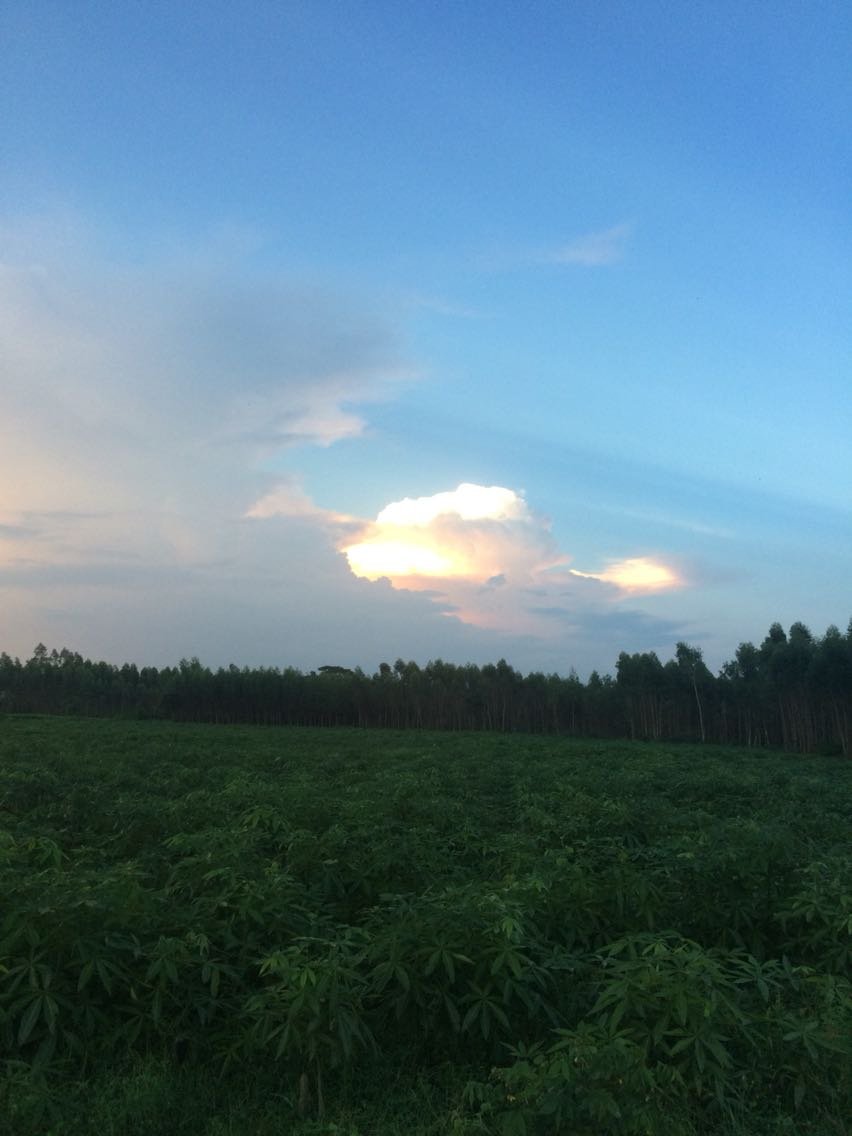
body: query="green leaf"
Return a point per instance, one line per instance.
(718, 1050)
(499, 1015)
(470, 1017)
(29, 1020)
(680, 1007)
(402, 978)
(45, 1051)
(799, 1094)
(50, 1009)
(448, 966)
(453, 1013)
(513, 1124)
(105, 972)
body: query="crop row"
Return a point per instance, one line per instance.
(626, 947)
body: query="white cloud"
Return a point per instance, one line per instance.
(159, 387)
(139, 409)
(283, 501)
(138, 404)
(594, 249)
(637, 575)
(92, 353)
(467, 502)
(473, 532)
(483, 552)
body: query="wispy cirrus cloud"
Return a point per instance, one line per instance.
(594, 250)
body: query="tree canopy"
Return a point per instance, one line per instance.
(793, 691)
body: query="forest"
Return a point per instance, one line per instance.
(793, 691)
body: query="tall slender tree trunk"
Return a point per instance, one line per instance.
(698, 704)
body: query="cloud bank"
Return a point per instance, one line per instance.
(143, 408)
(159, 391)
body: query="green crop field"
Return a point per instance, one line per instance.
(214, 930)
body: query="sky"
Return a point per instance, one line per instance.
(334, 333)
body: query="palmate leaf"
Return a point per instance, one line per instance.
(441, 908)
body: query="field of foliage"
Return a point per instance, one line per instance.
(211, 930)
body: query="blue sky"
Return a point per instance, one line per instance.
(267, 269)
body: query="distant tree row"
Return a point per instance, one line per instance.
(794, 691)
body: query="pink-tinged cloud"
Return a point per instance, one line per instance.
(288, 499)
(489, 560)
(637, 575)
(138, 406)
(471, 533)
(137, 402)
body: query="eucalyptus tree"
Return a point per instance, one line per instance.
(690, 665)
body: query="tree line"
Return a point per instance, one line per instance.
(793, 691)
